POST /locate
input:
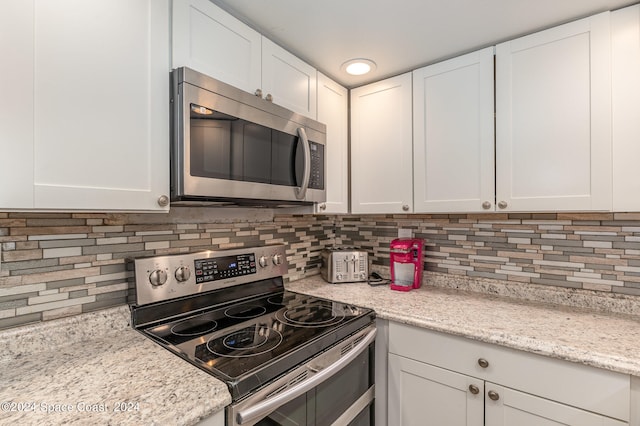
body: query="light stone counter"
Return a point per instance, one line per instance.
(96, 361)
(583, 335)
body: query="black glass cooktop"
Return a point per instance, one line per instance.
(246, 344)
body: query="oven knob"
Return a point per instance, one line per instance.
(158, 277)
(277, 259)
(183, 274)
(263, 261)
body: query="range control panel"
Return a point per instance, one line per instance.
(168, 277)
(220, 268)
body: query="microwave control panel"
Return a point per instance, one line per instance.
(316, 180)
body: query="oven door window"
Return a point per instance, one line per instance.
(226, 147)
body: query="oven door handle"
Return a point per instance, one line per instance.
(269, 405)
(301, 191)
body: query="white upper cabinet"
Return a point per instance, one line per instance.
(625, 31)
(287, 80)
(16, 104)
(209, 40)
(96, 133)
(381, 151)
(553, 119)
(453, 135)
(333, 101)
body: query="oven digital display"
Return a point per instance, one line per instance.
(220, 268)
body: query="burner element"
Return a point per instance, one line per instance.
(245, 311)
(193, 327)
(247, 342)
(276, 300)
(312, 315)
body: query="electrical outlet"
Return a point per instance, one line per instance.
(405, 233)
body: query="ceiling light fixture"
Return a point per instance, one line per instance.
(358, 66)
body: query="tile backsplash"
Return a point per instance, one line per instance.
(62, 264)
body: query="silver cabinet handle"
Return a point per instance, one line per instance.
(269, 98)
(258, 93)
(474, 389)
(301, 191)
(486, 205)
(405, 207)
(494, 396)
(322, 206)
(483, 363)
(163, 201)
(265, 407)
(502, 204)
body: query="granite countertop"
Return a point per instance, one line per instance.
(95, 369)
(583, 335)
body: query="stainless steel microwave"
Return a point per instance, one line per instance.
(229, 146)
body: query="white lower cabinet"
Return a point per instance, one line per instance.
(421, 394)
(440, 379)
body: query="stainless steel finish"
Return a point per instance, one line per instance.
(483, 363)
(357, 407)
(474, 389)
(344, 265)
(494, 396)
(164, 284)
(252, 409)
(301, 192)
(405, 207)
(269, 97)
(190, 87)
(258, 93)
(486, 205)
(277, 259)
(163, 201)
(157, 277)
(502, 204)
(182, 274)
(322, 206)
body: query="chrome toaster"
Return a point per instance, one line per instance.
(344, 265)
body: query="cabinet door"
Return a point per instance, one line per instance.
(625, 68)
(333, 111)
(553, 119)
(16, 105)
(381, 151)
(209, 40)
(453, 135)
(290, 81)
(424, 395)
(506, 407)
(101, 104)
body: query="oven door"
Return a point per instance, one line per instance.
(335, 387)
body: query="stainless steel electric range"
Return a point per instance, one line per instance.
(286, 358)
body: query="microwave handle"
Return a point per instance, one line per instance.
(301, 191)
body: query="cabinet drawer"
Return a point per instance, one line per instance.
(589, 388)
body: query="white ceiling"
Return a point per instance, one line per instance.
(400, 35)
